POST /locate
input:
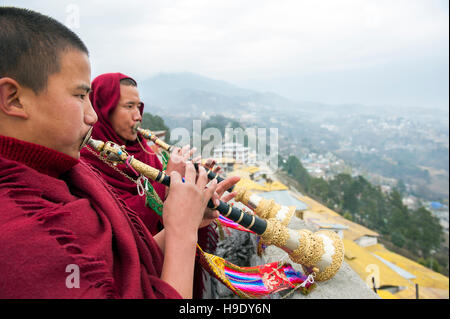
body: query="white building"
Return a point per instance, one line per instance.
(367, 240)
(232, 150)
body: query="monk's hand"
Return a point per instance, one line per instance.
(178, 159)
(210, 215)
(185, 205)
(210, 165)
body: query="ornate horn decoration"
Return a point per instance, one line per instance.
(147, 134)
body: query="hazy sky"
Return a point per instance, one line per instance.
(393, 52)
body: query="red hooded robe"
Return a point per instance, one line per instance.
(104, 97)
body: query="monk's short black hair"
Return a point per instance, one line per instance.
(128, 82)
(31, 45)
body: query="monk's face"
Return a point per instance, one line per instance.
(126, 113)
(62, 114)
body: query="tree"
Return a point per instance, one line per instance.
(398, 239)
(428, 231)
(348, 216)
(320, 188)
(401, 187)
(155, 123)
(431, 263)
(295, 168)
(360, 201)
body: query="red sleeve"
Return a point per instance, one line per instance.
(33, 265)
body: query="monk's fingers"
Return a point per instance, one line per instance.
(227, 197)
(175, 177)
(210, 162)
(185, 152)
(209, 191)
(197, 160)
(210, 214)
(202, 178)
(215, 199)
(226, 184)
(191, 152)
(176, 150)
(190, 173)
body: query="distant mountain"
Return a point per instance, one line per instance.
(173, 82)
(191, 94)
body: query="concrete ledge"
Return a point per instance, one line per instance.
(240, 248)
(346, 284)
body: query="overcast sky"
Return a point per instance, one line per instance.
(390, 52)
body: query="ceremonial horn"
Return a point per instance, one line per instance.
(265, 208)
(147, 134)
(321, 253)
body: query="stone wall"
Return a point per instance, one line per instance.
(240, 249)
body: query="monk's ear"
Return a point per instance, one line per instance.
(10, 102)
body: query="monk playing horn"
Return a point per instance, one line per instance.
(63, 231)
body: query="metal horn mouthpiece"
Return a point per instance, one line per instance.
(86, 138)
(137, 126)
(96, 144)
(147, 134)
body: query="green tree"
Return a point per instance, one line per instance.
(348, 216)
(358, 200)
(401, 187)
(295, 168)
(398, 239)
(428, 231)
(321, 189)
(431, 263)
(155, 123)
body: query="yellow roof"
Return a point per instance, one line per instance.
(324, 214)
(424, 293)
(375, 248)
(431, 284)
(251, 169)
(253, 186)
(276, 186)
(225, 160)
(425, 277)
(386, 294)
(246, 182)
(354, 230)
(367, 266)
(316, 206)
(250, 185)
(239, 172)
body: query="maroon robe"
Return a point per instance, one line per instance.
(56, 213)
(104, 97)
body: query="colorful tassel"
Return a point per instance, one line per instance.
(255, 282)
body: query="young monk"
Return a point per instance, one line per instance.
(56, 214)
(116, 100)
